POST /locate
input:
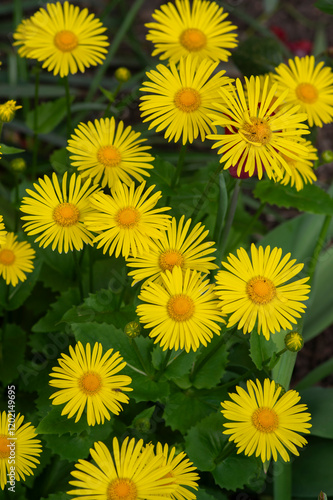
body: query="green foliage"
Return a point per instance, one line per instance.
(11, 298)
(10, 359)
(257, 55)
(261, 350)
(325, 6)
(51, 322)
(320, 404)
(10, 150)
(49, 114)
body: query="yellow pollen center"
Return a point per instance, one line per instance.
(307, 93)
(109, 156)
(66, 40)
(90, 383)
(193, 39)
(260, 290)
(187, 99)
(121, 489)
(128, 217)
(7, 257)
(257, 131)
(180, 307)
(265, 419)
(66, 214)
(4, 448)
(169, 259)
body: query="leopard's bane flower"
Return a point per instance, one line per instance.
(301, 170)
(65, 38)
(200, 29)
(3, 232)
(259, 290)
(16, 259)
(7, 111)
(265, 424)
(89, 379)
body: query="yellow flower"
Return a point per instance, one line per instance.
(264, 424)
(259, 130)
(109, 153)
(177, 247)
(310, 86)
(7, 111)
(86, 379)
(178, 100)
(126, 220)
(58, 215)
(15, 259)
(184, 313)
(3, 232)
(64, 37)
(301, 170)
(18, 446)
(133, 473)
(256, 290)
(201, 29)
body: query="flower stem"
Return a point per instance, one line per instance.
(230, 218)
(282, 480)
(139, 355)
(318, 247)
(68, 106)
(164, 365)
(204, 193)
(35, 136)
(180, 166)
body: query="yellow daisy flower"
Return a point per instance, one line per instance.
(126, 219)
(58, 215)
(201, 29)
(108, 153)
(264, 424)
(184, 313)
(181, 474)
(301, 170)
(133, 473)
(251, 291)
(7, 111)
(3, 232)
(15, 259)
(19, 450)
(177, 100)
(259, 130)
(310, 86)
(64, 37)
(177, 247)
(86, 379)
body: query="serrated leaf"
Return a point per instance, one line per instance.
(55, 423)
(212, 371)
(325, 6)
(10, 150)
(50, 114)
(51, 322)
(236, 471)
(319, 401)
(257, 55)
(13, 348)
(146, 389)
(310, 199)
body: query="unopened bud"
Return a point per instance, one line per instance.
(7, 111)
(18, 164)
(122, 75)
(133, 329)
(327, 156)
(294, 341)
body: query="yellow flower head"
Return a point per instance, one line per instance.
(65, 38)
(183, 313)
(178, 100)
(88, 379)
(264, 423)
(108, 152)
(200, 29)
(15, 259)
(7, 111)
(301, 170)
(58, 215)
(3, 232)
(310, 86)
(255, 290)
(19, 445)
(258, 129)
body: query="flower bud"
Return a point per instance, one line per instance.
(133, 329)
(7, 111)
(294, 341)
(327, 156)
(122, 75)
(18, 164)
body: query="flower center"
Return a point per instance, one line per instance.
(121, 489)
(66, 214)
(7, 257)
(66, 41)
(261, 290)
(90, 383)
(187, 99)
(193, 39)
(180, 307)
(109, 156)
(169, 259)
(307, 93)
(128, 217)
(257, 131)
(4, 448)
(265, 420)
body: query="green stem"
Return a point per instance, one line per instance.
(282, 481)
(198, 366)
(68, 106)
(180, 166)
(230, 217)
(78, 274)
(251, 224)
(204, 193)
(35, 136)
(164, 365)
(139, 355)
(319, 246)
(115, 93)
(227, 449)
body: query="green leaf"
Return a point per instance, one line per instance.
(319, 401)
(237, 471)
(311, 198)
(202, 494)
(325, 6)
(162, 175)
(55, 423)
(50, 114)
(180, 363)
(109, 95)
(257, 55)
(212, 371)
(59, 160)
(316, 375)
(19, 293)
(146, 389)
(261, 349)
(13, 348)
(57, 496)
(50, 322)
(10, 150)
